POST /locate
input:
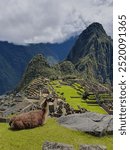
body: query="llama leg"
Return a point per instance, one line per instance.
(18, 125)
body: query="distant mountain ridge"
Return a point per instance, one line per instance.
(14, 59)
(90, 56)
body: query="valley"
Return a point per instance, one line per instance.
(14, 59)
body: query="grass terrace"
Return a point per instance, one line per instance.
(74, 98)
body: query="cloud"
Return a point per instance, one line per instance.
(23, 21)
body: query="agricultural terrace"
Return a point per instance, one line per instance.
(73, 96)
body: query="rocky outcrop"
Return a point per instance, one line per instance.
(90, 122)
(60, 146)
(92, 147)
(56, 146)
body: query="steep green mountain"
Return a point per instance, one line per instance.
(5, 68)
(92, 54)
(37, 67)
(66, 68)
(14, 59)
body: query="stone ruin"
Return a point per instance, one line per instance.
(61, 108)
(17, 103)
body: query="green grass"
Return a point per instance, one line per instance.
(92, 101)
(78, 87)
(33, 139)
(70, 91)
(91, 97)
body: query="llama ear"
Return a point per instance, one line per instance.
(50, 98)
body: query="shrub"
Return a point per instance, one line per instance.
(85, 95)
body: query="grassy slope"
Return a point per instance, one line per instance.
(70, 91)
(34, 138)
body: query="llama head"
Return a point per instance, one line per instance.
(50, 98)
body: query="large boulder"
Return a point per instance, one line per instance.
(92, 147)
(90, 122)
(56, 146)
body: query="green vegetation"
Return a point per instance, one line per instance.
(37, 67)
(105, 96)
(7, 74)
(74, 98)
(66, 68)
(91, 97)
(78, 87)
(34, 138)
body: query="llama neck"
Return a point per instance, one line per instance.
(46, 111)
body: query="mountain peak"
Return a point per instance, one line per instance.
(39, 58)
(36, 68)
(93, 34)
(97, 26)
(92, 53)
(94, 29)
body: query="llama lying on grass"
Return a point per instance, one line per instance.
(30, 119)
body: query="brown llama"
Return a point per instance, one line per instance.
(30, 119)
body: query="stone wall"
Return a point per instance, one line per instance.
(4, 120)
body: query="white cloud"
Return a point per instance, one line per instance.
(35, 21)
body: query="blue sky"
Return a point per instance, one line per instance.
(23, 21)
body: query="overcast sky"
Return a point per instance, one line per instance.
(23, 21)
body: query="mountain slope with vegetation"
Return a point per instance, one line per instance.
(37, 67)
(89, 62)
(91, 58)
(66, 68)
(14, 59)
(92, 54)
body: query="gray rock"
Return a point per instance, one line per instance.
(90, 122)
(56, 146)
(92, 147)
